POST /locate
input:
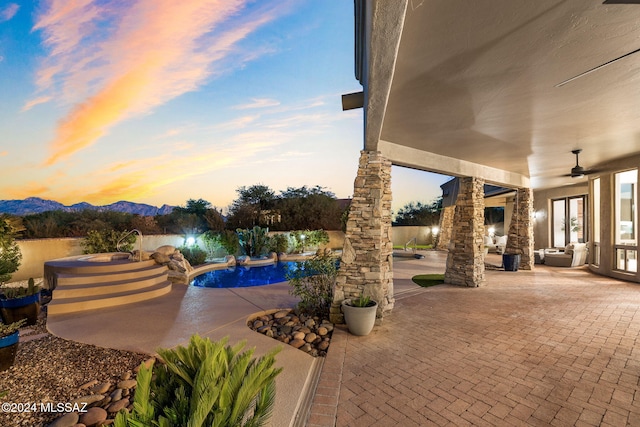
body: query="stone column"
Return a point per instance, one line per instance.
(367, 254)
(465, 262)
(520, 240)
(446, 227)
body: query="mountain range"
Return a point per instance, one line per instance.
(33, 205)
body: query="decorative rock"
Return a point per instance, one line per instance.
(287, 326)
(328, 326)
(160, 258)
(120, 404)
(297, 343)
(103, 402)
(93, 416)
(166, 250)
(89, 399)
(125, 376)
(116, 394)
(89, 384)
(280, 314)
(80, 425)
(125, 384)
(67, 420)
(175, 265)
(147, 364)
(101, 388)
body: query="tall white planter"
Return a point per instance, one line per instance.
(360, 320)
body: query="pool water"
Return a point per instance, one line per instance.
(243, 277)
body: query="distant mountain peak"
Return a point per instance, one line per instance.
(32, 205)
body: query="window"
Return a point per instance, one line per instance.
(569, 221)
(626, 229)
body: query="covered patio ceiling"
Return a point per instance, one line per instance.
(474, 87)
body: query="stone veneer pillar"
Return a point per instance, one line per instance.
(520, 240)
(446, 227)
(465, 262)
(367, 254)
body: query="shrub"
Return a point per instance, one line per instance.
(205, 384)
(279, 243)
(10, 255)
(213, 243)
(231, 242)
(313, 283)
(254, 241)
(100, 241)
(193, 254)
(312, 239)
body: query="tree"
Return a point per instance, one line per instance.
(307, 208)
(417, 213)
(197, 216)
(244, 212)
(10, 255)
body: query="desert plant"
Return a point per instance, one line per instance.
(230, 242)
(101, 241)
(20, 291)
(279, 243)
(362, 301)
(193, 254)
(312, 281)
(7, 329)
(10, 255)
(205, 384)
(306, 239)
(212, 243)
(254, 241)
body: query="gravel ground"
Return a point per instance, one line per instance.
(51, 370)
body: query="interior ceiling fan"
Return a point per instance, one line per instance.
(578, 171)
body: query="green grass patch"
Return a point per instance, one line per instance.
(426, 280)
(422, 247)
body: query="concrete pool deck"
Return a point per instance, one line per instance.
(552, 346)
(170, 320)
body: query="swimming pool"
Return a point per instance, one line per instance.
(243, 277)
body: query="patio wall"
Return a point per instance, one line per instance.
(402, 234)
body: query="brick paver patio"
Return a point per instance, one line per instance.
(549, 347)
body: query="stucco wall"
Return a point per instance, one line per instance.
(400, 235)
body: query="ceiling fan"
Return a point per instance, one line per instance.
(578, 171)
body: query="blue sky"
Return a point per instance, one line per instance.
(161, 101)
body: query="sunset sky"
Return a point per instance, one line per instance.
(160, 101)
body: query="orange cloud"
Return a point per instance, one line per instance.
(31, 189)
(156, 50)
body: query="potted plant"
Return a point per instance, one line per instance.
(9, 334)
(360, 314)
(23, 302)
